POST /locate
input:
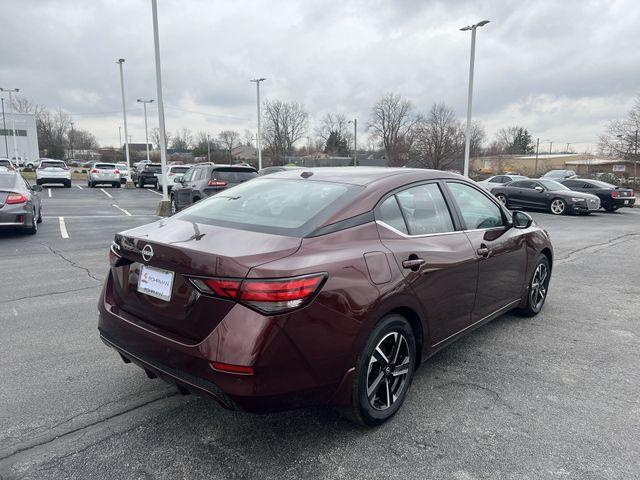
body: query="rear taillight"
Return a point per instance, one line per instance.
(95, 170)
(268, 296)
(217, 183)
(115, 257)
(117, 172)
(170, 174)
(614, 194)
(15, 198)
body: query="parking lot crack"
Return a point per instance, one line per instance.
(27, 297)
(72, 263)
(580, 252)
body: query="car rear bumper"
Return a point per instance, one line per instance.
(624, 201)
(104, 178)
(283, 379)
(148, 180)
(15, 216)
(49, 179)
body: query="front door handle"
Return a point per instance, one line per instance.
(413, 263)
(483, 251)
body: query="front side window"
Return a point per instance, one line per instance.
(425, 210)
(187, 176)
(497, 179)
(477, 210)
(389, 213)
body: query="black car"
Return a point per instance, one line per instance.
(545, 195)
(147, 176)
(611, 197)
(204, 180)
(275, 169)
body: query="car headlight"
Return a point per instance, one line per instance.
(576, 199)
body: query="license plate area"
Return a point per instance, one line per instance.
(155, 282)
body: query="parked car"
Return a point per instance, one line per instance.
(545, 195)
(5, 162)
(122, 167)
(147, 175)
(327, 286)
(174, 173)
(559, 175)
(269, 170)
(18, 162)
(498, 180)
(20, 205)
(141, 164)
(53, 171)
(611, 197)
(203, 180)
(103, 173)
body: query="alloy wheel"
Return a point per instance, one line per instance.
(538, 291)
(557, 207)
(502, 199)
(388, 370)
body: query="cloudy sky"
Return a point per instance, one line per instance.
(560, 68)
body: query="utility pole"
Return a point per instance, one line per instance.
(13, 119)
(467, 143)
(208, 148)
(355, 141)
(164, 208)
(146, 128)
(550, 147)
(257, 82)
(129, 183)
(567, 150)
(635, 161)
(119, 136)
(4, 126)
(71, 142)
(535, 171)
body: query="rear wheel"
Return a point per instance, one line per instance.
(384, 372)
(558, 206)
(174, 205)
(116, 185)
(40, 214)
(502, 199)
(67, 184)
(140, 183)
(33, 229)
(538, 287)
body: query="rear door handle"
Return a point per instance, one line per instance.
(413, 263)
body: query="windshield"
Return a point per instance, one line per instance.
(552, 185)
(282, 207)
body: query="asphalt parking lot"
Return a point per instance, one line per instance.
(556, 396)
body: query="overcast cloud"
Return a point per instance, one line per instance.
(560, 68)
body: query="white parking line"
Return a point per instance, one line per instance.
(153, 191)
(79, 187)
(49, 191)
(122, 210)
(105, 192)
(63, 228)
(93, 217)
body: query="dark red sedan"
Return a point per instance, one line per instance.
(322, 286)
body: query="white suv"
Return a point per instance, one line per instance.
(53, 171)
(103, 173)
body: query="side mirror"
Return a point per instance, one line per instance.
(36, 188)
(177, 180)
(521, 219)
(539, 189)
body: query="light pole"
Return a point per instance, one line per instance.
(164, 207)
(71, 141)
(550, 147)
(129, 183)
(208, 149)
(355, 141)
(257, 82)
(146, 128)
(4, 126)
(119, 136)
(467, 143)
(535, 170)
(13, 119)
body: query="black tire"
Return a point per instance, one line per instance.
(67, 184)
(40, 215)
(33, 229)
(174, 205)
(535, 296)
(611, 208)
(558, 206)
(116, 185)
(140, 184)
(38, 182)
(503, 199)
(379, 387)
(88, 184)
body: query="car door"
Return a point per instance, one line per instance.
(435, 258)
(182, 190)
(500, 250)
(34, 198)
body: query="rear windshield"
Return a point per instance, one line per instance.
(52, 164)
(233, 175)
(282, 207)
(106, 166)
(601, 184)
(179, 169)
(4, 161)
(7, 181)
(153, 167)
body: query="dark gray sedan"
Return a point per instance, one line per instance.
(202, 181)
(20, 205)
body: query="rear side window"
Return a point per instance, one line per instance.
(498, 179)
(425, 210)
(477, 210)
(233, 175)
(389, 213)
(278, 206)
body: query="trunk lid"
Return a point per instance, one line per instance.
(190, 249)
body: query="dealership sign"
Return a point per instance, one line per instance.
(618, 168)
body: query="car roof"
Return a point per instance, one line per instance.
(361, 175)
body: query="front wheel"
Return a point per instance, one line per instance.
(502, 199)
(538, 287)
(558, 206)
(384, 372)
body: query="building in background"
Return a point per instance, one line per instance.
(26, 136)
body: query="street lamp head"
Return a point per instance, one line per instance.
(258, 80)
(472, 27)
(120, 60)
(482, 23)
(464, 29)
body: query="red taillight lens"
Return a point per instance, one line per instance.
(229, 368)
(614, 194)
(269, 296)
(15, 198)
(217, 183)
(117, 172)
(95, 170)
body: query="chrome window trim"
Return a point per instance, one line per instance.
(405, 235)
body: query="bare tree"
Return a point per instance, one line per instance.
(478, 139)
(53, 128)
(22, 105)
(82, 139)
(514, 140)
(155, 137)
(621, 136)
(391, 121)
(229, 139)
(284, 125)
(182, 140)
(438, 138)
(249, 138)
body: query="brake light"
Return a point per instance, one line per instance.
(117, 172)
(229, 368)
(268, 296)
(170, 174)
(614, 194)
(15, 198)
(217, 183)
(95, 170)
